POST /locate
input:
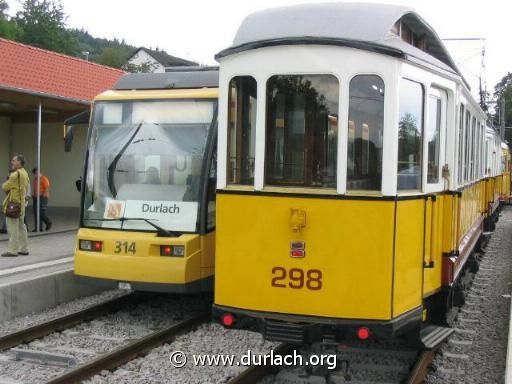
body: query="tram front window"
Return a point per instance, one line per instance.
(302, 130)
(144, 164)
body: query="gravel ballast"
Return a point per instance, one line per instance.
(89, 340)
(476, 352)
(208, 339)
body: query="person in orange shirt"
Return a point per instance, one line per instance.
(44, 195)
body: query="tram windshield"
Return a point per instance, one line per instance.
(144, 164)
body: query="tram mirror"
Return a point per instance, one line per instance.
(68, 138)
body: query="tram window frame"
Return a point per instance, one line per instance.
(434, 181)
(294, 118)
(486, 157)
(460, 176)
(467, 134)
(359, 177)
(478, 151)
(472, 149)
(241, 131)
(418, 165)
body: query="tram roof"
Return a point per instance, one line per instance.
(358, 25)
(185, 78)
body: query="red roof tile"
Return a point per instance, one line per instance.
(37, 70)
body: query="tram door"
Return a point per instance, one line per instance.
(434, 157)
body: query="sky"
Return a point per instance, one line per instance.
(198, 29)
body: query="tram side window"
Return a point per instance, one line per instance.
(241, 130)
(473, 149)
(478, 152)
(410, 133)
(467, 135)
(302, 130)
(434, 139)
(211, 197)
(461, 146)
(365, 131)
(486, 157)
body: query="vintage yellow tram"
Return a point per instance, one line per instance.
(148, 192)
(354, 176)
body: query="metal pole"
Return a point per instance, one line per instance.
(38, 184)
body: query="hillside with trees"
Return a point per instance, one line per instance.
(42, 23)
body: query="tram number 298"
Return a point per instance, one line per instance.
(296, 278)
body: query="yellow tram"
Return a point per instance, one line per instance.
(505, 196)
(355, 176)
(148, 191)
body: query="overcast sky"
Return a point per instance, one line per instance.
(198, 29)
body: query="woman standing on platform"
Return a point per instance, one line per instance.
(14, 208)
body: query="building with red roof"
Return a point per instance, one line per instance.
(60, 86)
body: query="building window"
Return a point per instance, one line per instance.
(365, 132)
(434, 139)
(302, 130)
(410, 135)
(241, 130)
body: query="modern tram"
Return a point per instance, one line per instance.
(355, 177)
(147, 217)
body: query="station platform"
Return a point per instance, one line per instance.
(44, 278)
(63, 219)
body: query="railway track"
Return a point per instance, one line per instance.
(128, 352)
(62, 323)
(75, 347)
(411, 367)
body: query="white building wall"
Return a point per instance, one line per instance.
(62, 168)
(5, 122)
(142, 57)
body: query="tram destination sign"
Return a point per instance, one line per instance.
(171, 215)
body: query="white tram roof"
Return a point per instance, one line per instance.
(358, 25)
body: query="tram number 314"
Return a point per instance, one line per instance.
(297, 278)
(125, 247)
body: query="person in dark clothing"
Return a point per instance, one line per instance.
(44, 194)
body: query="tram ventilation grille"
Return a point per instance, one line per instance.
(284, 332)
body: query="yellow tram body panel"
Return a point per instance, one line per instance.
(369, 270)
(146, 264)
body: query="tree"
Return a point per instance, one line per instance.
(115, 56)
(43, 25)
(8, 27)
(503, 94)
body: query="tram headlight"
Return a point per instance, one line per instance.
(172, 250)
(91, 246)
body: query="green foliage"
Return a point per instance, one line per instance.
(503, 91)
(43, 25)
(3, 9)
(97, 48)
(8, 27)
(115, 56)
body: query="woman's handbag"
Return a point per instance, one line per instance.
(13, 209)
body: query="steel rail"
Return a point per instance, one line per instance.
(420, 368)
(56, 325)
(128, 352)
(255, 373)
